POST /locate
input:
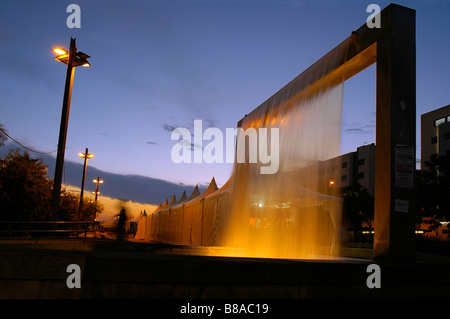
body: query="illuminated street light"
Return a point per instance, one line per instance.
(86, 155)
(60, 51)
(83, 155)
(98, 181)
(79, 59)
(73, 59)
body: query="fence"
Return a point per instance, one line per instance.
(53, 229)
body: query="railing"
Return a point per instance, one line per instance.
(53, 229)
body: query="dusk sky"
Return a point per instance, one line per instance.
(158, 65)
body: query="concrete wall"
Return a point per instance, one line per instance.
(127, 270)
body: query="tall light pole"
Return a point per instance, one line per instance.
(86, 156)
(98, 181)
(73, 59)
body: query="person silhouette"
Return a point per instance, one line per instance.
(122, 219)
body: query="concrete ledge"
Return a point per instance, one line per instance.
(122, 270)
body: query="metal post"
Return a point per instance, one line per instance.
(80, 208)
(63, 130)
(96, 190)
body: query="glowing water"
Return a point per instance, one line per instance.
(293, 213)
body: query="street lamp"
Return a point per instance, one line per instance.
(86, 156)
(98, 181)
(80, 57)
(73, 59)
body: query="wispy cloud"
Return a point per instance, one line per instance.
(361, 128)
(168, 127)
(358, 128)
(151, 143)
(211, 123)
(108, 135)
(190, 146)
(189, 124)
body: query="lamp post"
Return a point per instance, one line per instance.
(73, 59)
(86, 156)
(98, 181)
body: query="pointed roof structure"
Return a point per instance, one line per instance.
(212, 187)
(225, 187)
(161, 207)
(157, 208)
(195, 193)
(182, 198)
(173, 200)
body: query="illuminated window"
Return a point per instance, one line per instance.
(439, 121)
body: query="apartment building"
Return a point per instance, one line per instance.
(435, 133)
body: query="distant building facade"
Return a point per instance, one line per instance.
(349, 169)
(435, 133)
(340, 173)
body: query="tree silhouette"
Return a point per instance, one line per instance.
(26, 192)
(358, 206)
(24, 188)
(3, 136)
(433, 191)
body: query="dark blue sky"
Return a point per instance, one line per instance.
(161, 64)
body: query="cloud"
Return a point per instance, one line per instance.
(211, 123)
(189, 145)
(359, 128)
(151, 143)
(108, 135)
(356, 130)
(189, 124)
(168, 127)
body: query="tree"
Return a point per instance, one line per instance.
(3, 136)
(358, 206)
(70, 203)
(24, 188)
(26, 192)
(433, 191)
